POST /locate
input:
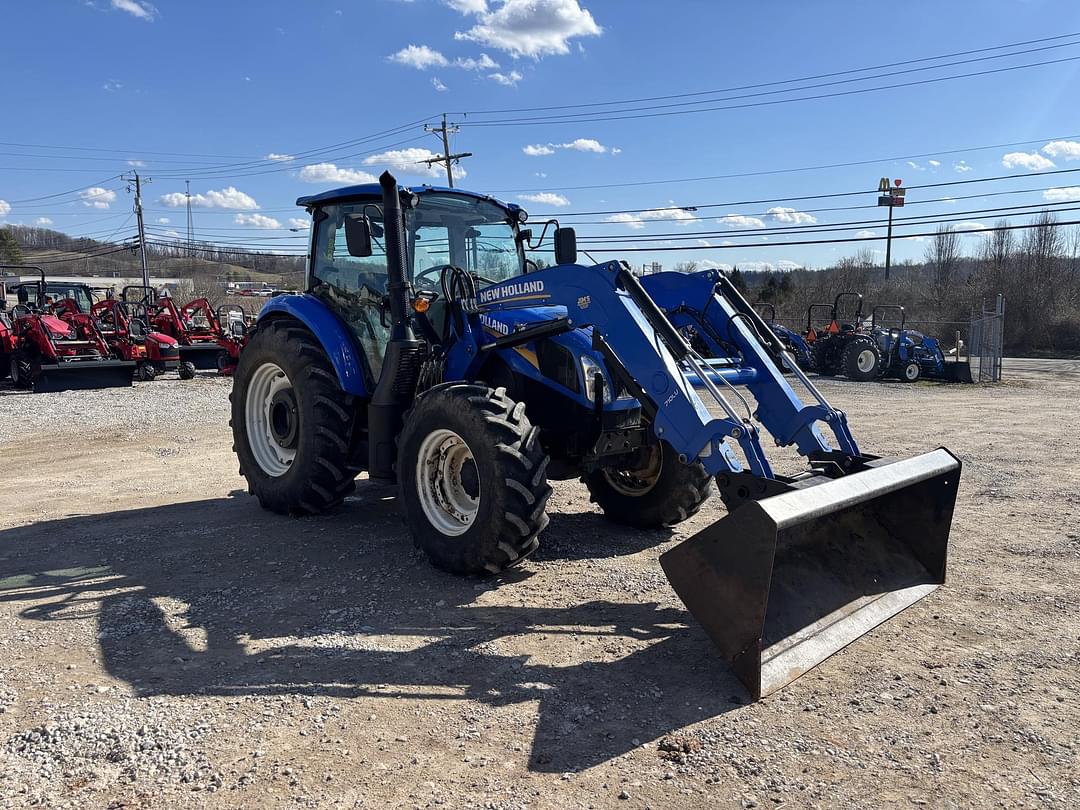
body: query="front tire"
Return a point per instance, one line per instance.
(186, 370)
(292, 424)
(663, 492)
(861, 360)
(910, 372)
(21, 371)
(472, 478)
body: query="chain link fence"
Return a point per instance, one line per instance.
(986, 343)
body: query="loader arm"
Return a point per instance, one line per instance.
(652, 360)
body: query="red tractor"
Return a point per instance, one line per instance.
(208, 339)
(49, 341)
(123, 325)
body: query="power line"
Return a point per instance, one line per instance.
(786, 81)
(634, 114)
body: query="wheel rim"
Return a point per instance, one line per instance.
(273, 423)
(912, 371)
(866, 360)
(635, 483)
(447, 482)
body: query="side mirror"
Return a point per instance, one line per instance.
(525, 236)
(358, 235)
(565, 246)
(23, 295)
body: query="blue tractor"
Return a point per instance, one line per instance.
(844, 346)
(794, 342)
(431, 352)
(909, 355)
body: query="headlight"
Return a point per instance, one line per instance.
(590, 369)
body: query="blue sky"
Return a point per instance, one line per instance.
(224, 94)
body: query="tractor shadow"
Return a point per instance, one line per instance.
(217, 597)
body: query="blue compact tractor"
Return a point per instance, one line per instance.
(909, 355)
(430, 352)
(794, 342)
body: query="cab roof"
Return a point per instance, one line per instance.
(374, 191)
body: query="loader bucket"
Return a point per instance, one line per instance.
(782, 583)
(959, 371)
(80, 376)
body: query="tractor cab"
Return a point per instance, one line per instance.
(41, 295)
(444, 229)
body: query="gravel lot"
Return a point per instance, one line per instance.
(165, 643)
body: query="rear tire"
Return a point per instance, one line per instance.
(861, 360)
(472, 478)
(292, 424)
(664, 492)
(186, 370)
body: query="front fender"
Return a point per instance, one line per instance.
(331, 332)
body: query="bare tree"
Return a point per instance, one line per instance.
(685, 267)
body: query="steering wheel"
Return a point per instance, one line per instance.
(435, 270)
(26, 310)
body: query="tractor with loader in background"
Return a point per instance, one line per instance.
(432, 353)
(49, 341)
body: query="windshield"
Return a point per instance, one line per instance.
(56, 291)
(445, 228)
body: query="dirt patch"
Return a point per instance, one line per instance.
(276, 662)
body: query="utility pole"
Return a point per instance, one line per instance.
(891, 195)
(445, 131)
(137, 183)
(190, 223)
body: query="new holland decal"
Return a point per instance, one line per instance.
(518, 290)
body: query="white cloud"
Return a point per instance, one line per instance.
(229, 197)
(506, 79)
(1070, 150)
(1032, 161)
(111, 85)
(741, 221)
(300, 223)
(530, 27)
(616, 150)
(5, 208)
(546, 198)
(97, 197)
(43, 221)
(1067, 194)
(934, 163)
(163, 220)
(968, 226)
(680, 216)
(792, 216)
(329, 173)
(136, 8)
(138, 164)
(410, 162)
(279, 156)
(576, 145)
(916, 166)
(962, 167)
(256, 221)
(865, 234)
(585, 145)
(420, 57)
(438, 85)
(467, 6)
(485, 62)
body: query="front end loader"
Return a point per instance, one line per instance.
(432, 353)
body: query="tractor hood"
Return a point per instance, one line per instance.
(56, 327)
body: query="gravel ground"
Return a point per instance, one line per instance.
(165, 643)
